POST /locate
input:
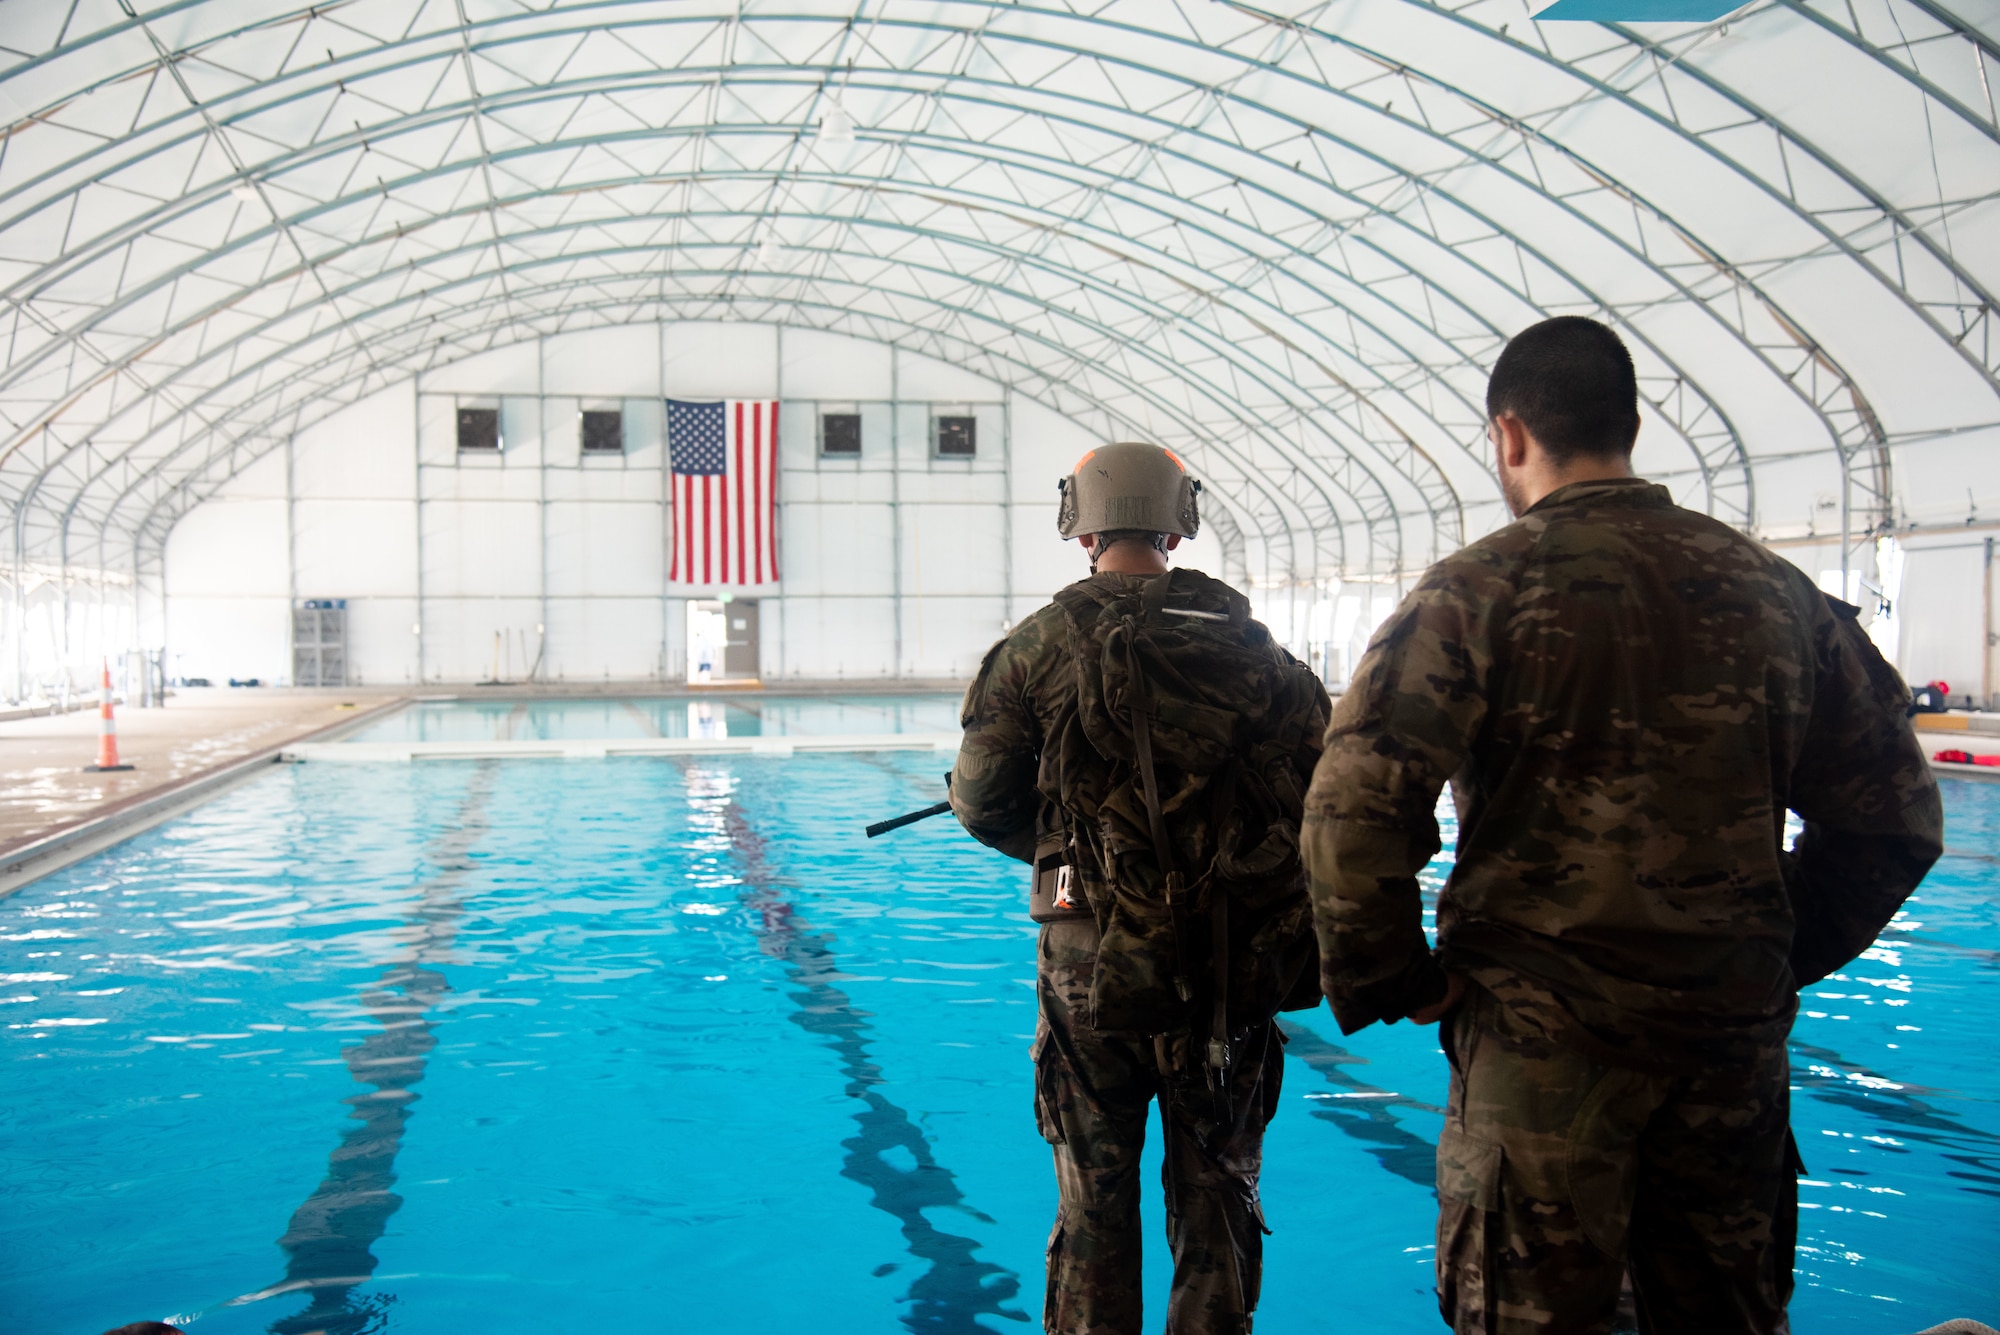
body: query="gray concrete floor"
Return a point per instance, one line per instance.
(42, 780)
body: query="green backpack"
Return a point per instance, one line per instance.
(1179, 780)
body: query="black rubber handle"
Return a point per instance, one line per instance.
(907, 818)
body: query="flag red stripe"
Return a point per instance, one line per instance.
(742, 570)
(707, 542)
(757, 504)
(771, 496)
(722, 505)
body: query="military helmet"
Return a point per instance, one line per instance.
(1128, 485)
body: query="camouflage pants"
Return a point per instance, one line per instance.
(1556, 1175)
(1091, 1095)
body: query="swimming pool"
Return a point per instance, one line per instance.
(568, 1046)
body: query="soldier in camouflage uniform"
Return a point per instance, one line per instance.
(1626, 698)
(1023, 762)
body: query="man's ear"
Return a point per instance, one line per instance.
(1173, 541)
(1510, 440)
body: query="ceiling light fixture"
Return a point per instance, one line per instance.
(836, 127)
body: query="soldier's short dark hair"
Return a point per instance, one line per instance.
(1570, 381)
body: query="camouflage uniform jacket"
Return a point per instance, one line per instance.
(1626, 697)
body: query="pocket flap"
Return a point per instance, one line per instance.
(1468, 1169)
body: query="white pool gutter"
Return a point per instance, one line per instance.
(376, 753)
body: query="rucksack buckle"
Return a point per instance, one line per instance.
(1218, 1054)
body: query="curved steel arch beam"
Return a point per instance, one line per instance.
(1430, 283)
(1854, 429)
(706, 74)
(1854, 37)
(542, 33)
(1664, 58)
(272, 169)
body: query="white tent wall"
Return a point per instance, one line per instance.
(1943, 606)
(895, 564)
(1946, 616)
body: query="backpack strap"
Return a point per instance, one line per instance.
(1149, 788)
(1218, 938)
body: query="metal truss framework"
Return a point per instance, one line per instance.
(1288, 243)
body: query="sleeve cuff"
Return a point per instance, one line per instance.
(1418, 984)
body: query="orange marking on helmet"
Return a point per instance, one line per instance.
(1084, 460)
(1175, 457)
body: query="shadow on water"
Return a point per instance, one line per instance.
(1363, 1111)
(1834, 1079)
(957, 1287)
(1824, 1073)
(328, 1245)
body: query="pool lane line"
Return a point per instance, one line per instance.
(957, 1288)
(1970, 856)
(646, 720)
(1363, 1110)
(329, 1242)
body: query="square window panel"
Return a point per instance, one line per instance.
(478, 429)
(840, 433)
(603, 432)
(956, 437)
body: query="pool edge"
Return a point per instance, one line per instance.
(68, 844)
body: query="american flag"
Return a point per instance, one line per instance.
(725, 469)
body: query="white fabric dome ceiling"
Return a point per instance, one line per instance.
(1286, 242)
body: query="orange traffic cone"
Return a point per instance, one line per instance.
(107, 730)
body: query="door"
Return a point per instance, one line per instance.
(319, 642)
(739, 651)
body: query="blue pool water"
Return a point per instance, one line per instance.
(533, 1046)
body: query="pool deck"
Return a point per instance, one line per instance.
(44, 787)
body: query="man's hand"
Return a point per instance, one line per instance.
(1454, 990)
